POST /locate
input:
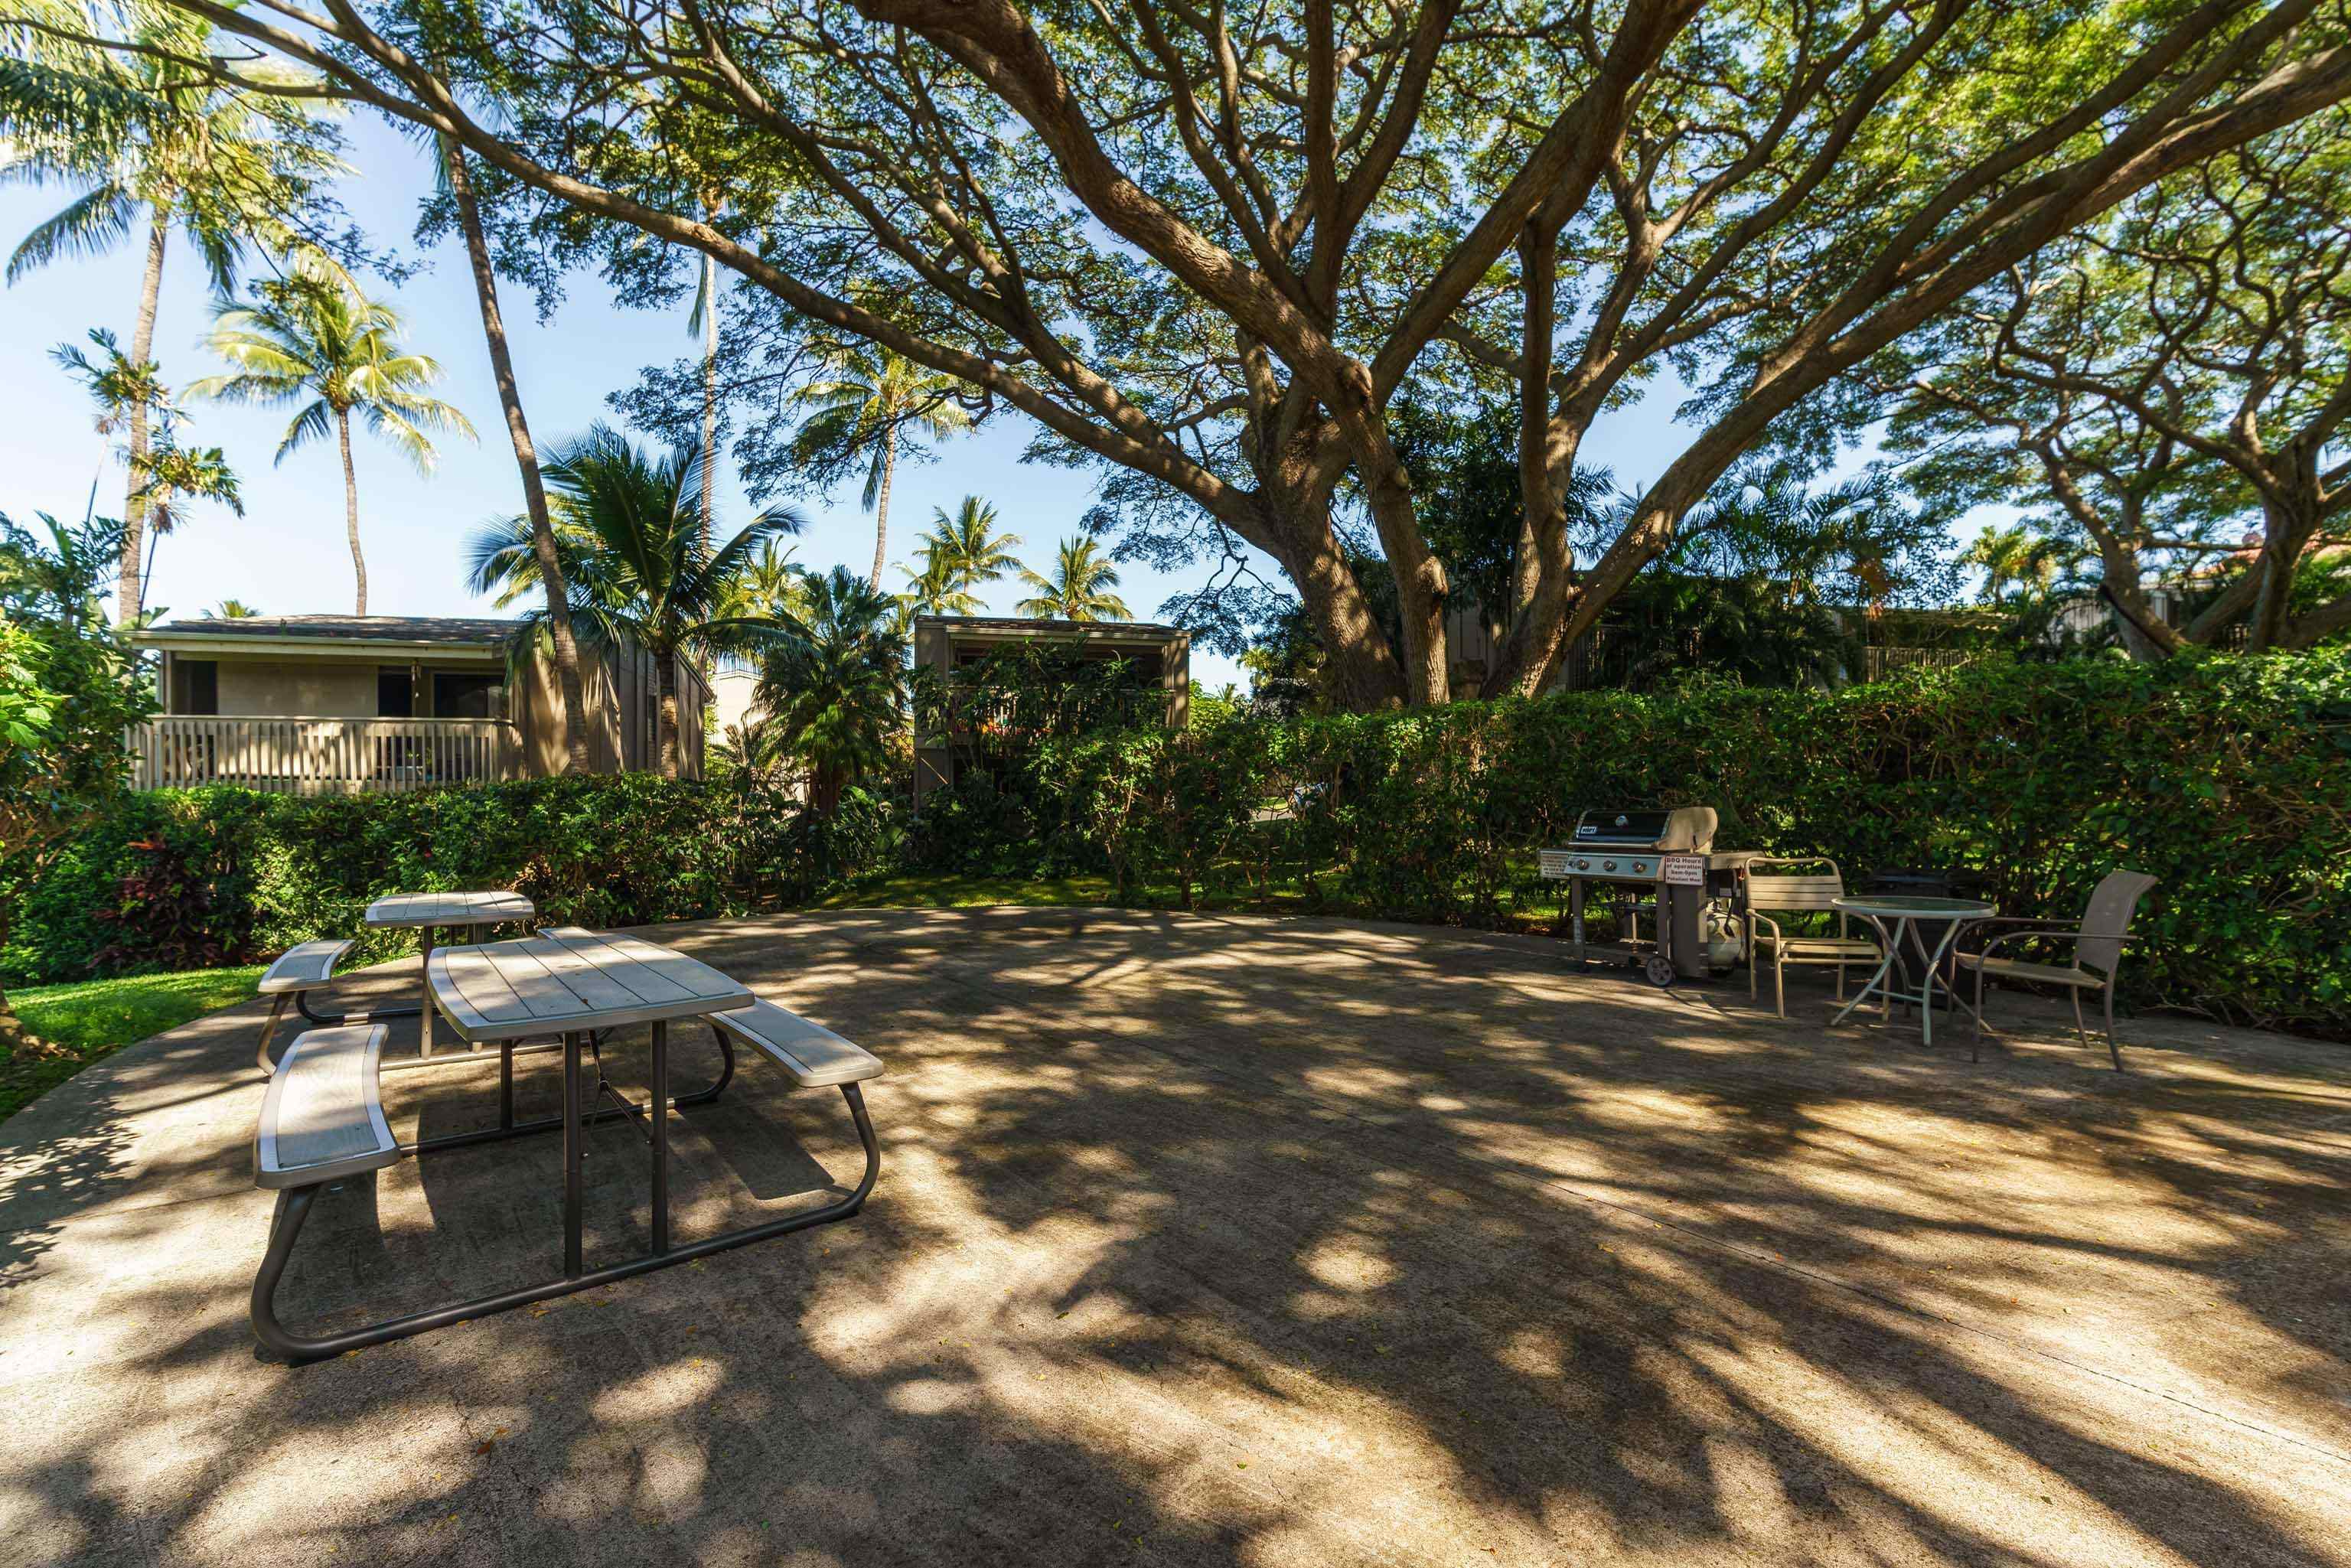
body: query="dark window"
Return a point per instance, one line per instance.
(195, 687)
(395, 696)
(466, 695)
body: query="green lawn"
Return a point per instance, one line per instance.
(93, 1019)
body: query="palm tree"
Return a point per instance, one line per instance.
(770, 583)
(628, 525)
(935, 590)
(2012, 560)
(164, 475)
(973, 552)
(704, 323)
(834, 689)
(134, 130)
(860, 411)
(548, 570)
(312, 334)
(231, 609)
(1080, 587)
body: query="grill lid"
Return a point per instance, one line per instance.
(1647, 828)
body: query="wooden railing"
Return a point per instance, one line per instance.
(323, 756)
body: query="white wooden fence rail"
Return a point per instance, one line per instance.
(323, 756)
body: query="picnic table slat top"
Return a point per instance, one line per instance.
(570, 980)
(492, 908)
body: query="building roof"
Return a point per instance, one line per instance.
(1015, 623)
(456, 631)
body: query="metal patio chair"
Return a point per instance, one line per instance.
(1785, 894)
(2096, 940)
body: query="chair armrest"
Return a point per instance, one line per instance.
(1755, 918)
(2062, 935)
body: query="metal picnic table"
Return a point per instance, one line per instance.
(575, 984)
(425, 912)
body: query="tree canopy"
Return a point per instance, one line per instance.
(2171, 383)
(1209, 251)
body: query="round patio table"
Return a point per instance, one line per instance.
(425, 910)
(1896, 917)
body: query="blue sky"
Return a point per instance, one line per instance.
(287, 555)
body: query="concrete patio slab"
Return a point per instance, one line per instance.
(1218, 1240)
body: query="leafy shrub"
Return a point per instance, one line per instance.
(177, 879)
(2228, 779)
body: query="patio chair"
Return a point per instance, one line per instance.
(2097, 941)
(1784, 892)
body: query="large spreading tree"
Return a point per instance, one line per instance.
(1209, 248)
(2174, 382)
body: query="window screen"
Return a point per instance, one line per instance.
(395, 698)
(196, 685)
(460, 695)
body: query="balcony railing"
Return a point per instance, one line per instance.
(323, 756)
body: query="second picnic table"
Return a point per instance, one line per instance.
(428, 912)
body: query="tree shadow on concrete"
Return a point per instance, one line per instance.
(1204, 1240)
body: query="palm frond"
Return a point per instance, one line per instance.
(312, 424)
(90, 225)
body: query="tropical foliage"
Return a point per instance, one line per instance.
(962, 554)
(639, 566)
(833, 688)
(70, 686)
(1079, 589)
(867, 404)
(164, 475)
(144, 132)
(313, 335)
(2167, 389)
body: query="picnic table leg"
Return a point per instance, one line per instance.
(294, 1206)
(660, 1110)
(425, 985)
(506, 1085)
(572, 1150)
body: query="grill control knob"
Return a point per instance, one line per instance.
(1584, 865)
(1640, 868)
(1607, 865)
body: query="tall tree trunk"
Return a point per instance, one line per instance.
(882, 503)
(2284, 532)
(1361, 664)
(352, 508)
(668, 726)
(709, 393)
(534, 492)
(130, 589)
(1539, 507)
(1420, 587)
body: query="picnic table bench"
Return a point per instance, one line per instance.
(322, 1119)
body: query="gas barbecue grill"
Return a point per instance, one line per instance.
(1659, 861)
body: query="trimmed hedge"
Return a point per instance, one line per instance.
(2227, 779)
(190, 879)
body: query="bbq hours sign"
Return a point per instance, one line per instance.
(1684, 870)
